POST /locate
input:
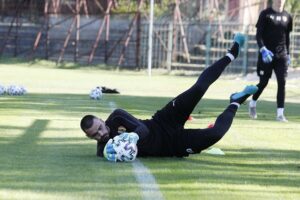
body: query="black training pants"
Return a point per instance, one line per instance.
(177, 111)
(264, 71)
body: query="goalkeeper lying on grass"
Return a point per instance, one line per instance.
(164, 134)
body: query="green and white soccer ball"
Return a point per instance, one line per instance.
(126, 149)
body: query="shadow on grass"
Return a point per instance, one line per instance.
(53, 165)
(65, 164)
(270, 169)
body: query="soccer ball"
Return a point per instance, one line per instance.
(15, 90)
(126, 150)
(11, 90)
(96, 93)
(22, 90)
(2, 90)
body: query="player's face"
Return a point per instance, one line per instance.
(98, 131)
(279, 4)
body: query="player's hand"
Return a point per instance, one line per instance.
(267, 55)
(131, 137)
(109, 151)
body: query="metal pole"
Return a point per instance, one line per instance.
(245, 55)
(150, 38)
(107, 35)
(208, 45)
(78, 6)
(138, 40)
(170, 47)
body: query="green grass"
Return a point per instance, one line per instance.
(44, 155)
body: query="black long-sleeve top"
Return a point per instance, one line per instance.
(154, 139)
(273, 31)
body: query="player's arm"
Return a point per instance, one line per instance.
(131, 124)
(100, 148)
(260, 26)
(289, 30)
(287, 35)
(267, 55)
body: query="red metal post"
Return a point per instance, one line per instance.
(177, 10)
(39, 34)
(67, 40)
(100, 32)
(129, 34)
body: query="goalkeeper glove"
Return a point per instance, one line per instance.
(131, 137)
(122, 147)
(109, 152)
(267, 55)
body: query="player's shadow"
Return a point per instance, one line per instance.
(32, 164)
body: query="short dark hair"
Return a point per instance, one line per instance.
(87, 122)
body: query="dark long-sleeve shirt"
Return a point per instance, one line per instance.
(273, 31)
(152, 136)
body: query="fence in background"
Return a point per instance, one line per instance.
(295, 42)
(205, 44)
(189, 46)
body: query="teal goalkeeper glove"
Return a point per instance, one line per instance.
(267, 55)
(122, 147)
(109, 152)
(131, 137)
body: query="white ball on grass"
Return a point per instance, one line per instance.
(2, 90)
(23, 90)
(15, 90)
(96, 93)
(11, 89)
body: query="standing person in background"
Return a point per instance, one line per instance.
(273, 38)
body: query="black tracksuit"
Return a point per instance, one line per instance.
(273, 32)
(164, 134)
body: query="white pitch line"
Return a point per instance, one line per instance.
(146, 180)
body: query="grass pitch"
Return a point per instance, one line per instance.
(44, 155)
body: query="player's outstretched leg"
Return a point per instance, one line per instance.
(213, 72)
(200, 139)
(240, 97)
(238, 42)
(179, 109)
(183, 105)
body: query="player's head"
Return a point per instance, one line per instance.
(95, 128)
(278, 4)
